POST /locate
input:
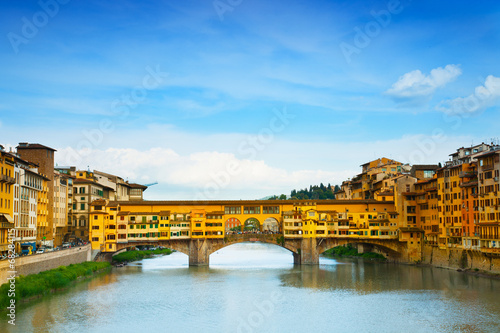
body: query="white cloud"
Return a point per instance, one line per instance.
(483, 97)
(416, 88)
(188, 166)
(205, 175)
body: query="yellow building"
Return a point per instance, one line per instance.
(450, 206)
(488, 202)
(112, 222)
(376, 178)
(7, 181)
(42, 223)
(427, 209)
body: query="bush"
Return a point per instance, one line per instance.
(44, 282)
(138, 255)
(349, 251)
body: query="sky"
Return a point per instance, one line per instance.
(241, 99)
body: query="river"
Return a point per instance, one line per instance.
(254, 287)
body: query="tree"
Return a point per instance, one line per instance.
(282, 197)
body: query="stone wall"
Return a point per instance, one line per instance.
(42, 262)
(453, 258)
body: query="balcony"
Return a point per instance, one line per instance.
(7, 179)
(487, 167)
(469, 174)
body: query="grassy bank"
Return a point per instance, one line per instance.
(349, 251)
(45, 282)
(134, 255)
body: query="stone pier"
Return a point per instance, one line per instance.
(199, 252)
(308, 253)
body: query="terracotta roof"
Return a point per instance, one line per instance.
(241, 202)
(90, 181)
(134, 185)
(25, 145)
(216, 213)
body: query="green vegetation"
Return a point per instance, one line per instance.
(133, 255)
(280, 240)
(349, 251)
(315, 192)
(45, 282)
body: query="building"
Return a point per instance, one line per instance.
(488, 202)
(43, 157)
(377, 177)
(131, 222)
(60, 218)
(27, 188)
(85, 191)
(7, 182)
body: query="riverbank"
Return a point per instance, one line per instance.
(37, 285)
(351, 252)
(468, 261)
(135, 255)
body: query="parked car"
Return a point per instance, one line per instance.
(40, 251)
(66, 245)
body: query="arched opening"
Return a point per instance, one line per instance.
(271, 225)
(252, 225)
(252, 254)
(363, 250)
(233, 224)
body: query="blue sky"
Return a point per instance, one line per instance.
(291, 93)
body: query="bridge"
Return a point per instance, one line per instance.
(305, 251)
(306, 228)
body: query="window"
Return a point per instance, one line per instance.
(271, 209)
(95, 239)
(232, 210)
(82, 190)
(82, 206)
(252, 210)
(428, 173)
(95, 227)
(95, 217)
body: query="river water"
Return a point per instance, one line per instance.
(254, 287)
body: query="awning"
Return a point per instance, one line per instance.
(6, 218)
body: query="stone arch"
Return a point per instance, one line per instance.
(232, 222)
(178, 246)
(252, 223)
(271, 224)
(391, 249)
(249, 238)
